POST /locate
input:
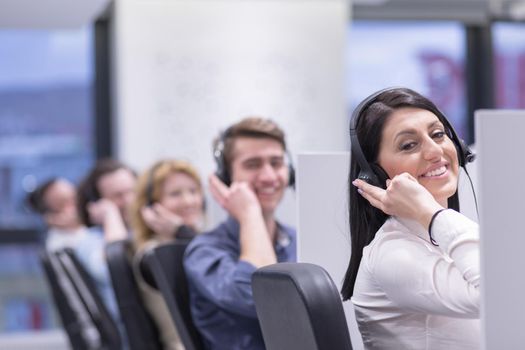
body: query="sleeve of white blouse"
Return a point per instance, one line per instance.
(418, 278)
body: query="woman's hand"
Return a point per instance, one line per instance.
(404, 197)
(162, 221)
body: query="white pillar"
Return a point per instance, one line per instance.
(186, 69)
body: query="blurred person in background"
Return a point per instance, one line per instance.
(105, 197)
(169, 206)
(253, 172)
(56, 201)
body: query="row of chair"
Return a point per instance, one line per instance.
(84, 316)
(298, 304)
(299, 307)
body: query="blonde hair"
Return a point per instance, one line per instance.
(149, 189)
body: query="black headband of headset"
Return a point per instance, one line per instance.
(150, 184)
(223, 173)
(465, 155)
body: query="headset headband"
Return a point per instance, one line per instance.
(223, 172)
(465, 155)
(150, 184)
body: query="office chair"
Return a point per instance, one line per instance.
(75, 318)
(141, 330)
(163, 266)
(85, 288)
(299, 307)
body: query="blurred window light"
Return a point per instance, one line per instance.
(46, 113)
(425, 56)
(509, 64)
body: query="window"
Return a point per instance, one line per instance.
(426, 57)
(509, 65)
(46, 115)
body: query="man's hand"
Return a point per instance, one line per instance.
(106, 214)
(239, 200)
(101, 210)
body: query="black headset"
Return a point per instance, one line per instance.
(150, 186)
(222, 171)
(373, 173)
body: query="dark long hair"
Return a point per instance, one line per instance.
(88, 188)
(35, 199)
(365, 220)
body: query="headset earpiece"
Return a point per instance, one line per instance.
(218, 154)
(373, 173)
(466, 154)
(291, 173)
(150, 185)
(380, 174)
(222, 171)
(291, 170)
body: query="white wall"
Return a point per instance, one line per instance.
(186, 69)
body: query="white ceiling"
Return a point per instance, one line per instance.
(49, 14)
(55, 14)
(467, 11)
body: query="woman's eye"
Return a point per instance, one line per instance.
(438, 135)
(408, 146)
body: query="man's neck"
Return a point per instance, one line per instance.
(68, 229)
(271, 225)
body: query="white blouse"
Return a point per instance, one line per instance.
(410, 294)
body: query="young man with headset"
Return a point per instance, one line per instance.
(253, 173)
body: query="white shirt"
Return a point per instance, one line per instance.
(410, 294)
(57, 238)
(88, 245)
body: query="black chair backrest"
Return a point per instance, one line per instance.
(140, 328)
(75, 318)
(85, 287)
(299, 307)
(164, 264)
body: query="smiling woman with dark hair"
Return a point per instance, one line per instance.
(413, 275)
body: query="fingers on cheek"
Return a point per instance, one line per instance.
(370, 199)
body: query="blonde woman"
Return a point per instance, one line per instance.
(169, 206)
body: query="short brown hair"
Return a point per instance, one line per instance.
(252, 127)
